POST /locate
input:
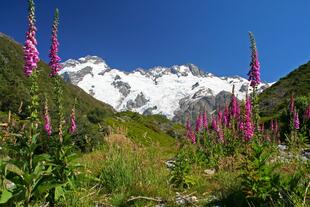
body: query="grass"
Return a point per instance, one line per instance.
(123, 169)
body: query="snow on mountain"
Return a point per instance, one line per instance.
(171, 91)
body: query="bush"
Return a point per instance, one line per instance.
(96, 116)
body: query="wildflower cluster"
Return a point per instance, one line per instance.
(42, 164)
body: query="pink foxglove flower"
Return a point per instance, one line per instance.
(31, 54)
(214, 124)
(47, 121)
(254, 73)
(220, 117)
(248, 126)
(192, 136)
(271, 125)
(296, 120)
(54, 58)
(72, 128)
(241, 126)
(199, 123)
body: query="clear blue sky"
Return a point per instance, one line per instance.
(144, 33)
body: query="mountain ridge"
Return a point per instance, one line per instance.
(170, 91)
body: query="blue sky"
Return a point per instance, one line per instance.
(144, 33)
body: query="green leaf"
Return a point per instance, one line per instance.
(5, 196)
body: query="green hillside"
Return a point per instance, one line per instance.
(275, 99)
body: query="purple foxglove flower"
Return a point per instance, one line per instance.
(254, 73)
(249, 131)
(47, 125)
(72, 128)
(271, 125)
(296, 120)
(199, 123)
(31, 54)
(219, 117)
(53, 55)
(47, 121)
(192, 137)
(226, 116)
(241, 126)
(214, 124)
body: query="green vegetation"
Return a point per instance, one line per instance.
(275, 98)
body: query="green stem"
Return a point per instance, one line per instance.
(34, 105)
(59, 102)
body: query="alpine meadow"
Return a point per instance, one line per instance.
(83, 133)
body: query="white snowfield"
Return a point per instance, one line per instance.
(161, 87)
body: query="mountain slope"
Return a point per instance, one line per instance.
(275, 98)
(171, 91)
(14, 87)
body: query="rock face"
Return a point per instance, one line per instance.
(124, 88)
(191, 106)
(139, 101)
(171, 91)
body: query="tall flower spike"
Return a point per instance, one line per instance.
(54, 58)
(249, 131)
(31, 54)
(199, 123)
(214, 124)
(193, 137)
(219, 117)
(296, 120)
(47, 121)
(72, 128)
(254, 73)
(272, 125)
(189, 132)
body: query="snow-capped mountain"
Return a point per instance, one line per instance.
(170, 91)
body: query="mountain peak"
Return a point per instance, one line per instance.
(170, 91)
(179, 70)
(89, 59)
(92, 59)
